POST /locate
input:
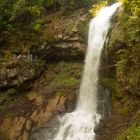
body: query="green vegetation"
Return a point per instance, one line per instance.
(17, 18)
(108, 83)
(132, 133)
(68, 75)
(129, 103)
(65, 80)
(59, 93)
(7, 97)
(96, 7)
(22, 22)
(124, 50)
(83, 28)
(126, 38)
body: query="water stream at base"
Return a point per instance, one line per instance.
(80, 124)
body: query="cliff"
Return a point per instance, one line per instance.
(41, 79)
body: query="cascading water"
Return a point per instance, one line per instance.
(80, 124)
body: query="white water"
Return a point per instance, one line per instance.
(80, 124)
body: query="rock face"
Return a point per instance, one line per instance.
(51, 94)
(43, 81)
(63, 37)
(19, 126)
(35, 83)
(61, 51)
(19, 69)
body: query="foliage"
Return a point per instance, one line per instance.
(127, 34)
(25, 11)
(132, 133)
(38, 24)
(95, 8)
(121, 68)
(68, 75)
(19, 19)
(109, 83)
(52, 4)
(77, 3)
(16, 19)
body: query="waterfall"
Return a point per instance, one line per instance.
(80, 124)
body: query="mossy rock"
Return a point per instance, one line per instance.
(65, 80)
(67, 74)
(83, 27)
(59, 93)
(109, 83)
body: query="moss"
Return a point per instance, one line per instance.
(65, 80)
(132, 133)
(38, 24)
(59, 93)
(83, 28)
(67, 74)
(69, 67)
(109, 83)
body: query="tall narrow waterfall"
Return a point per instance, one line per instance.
(80, 124)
